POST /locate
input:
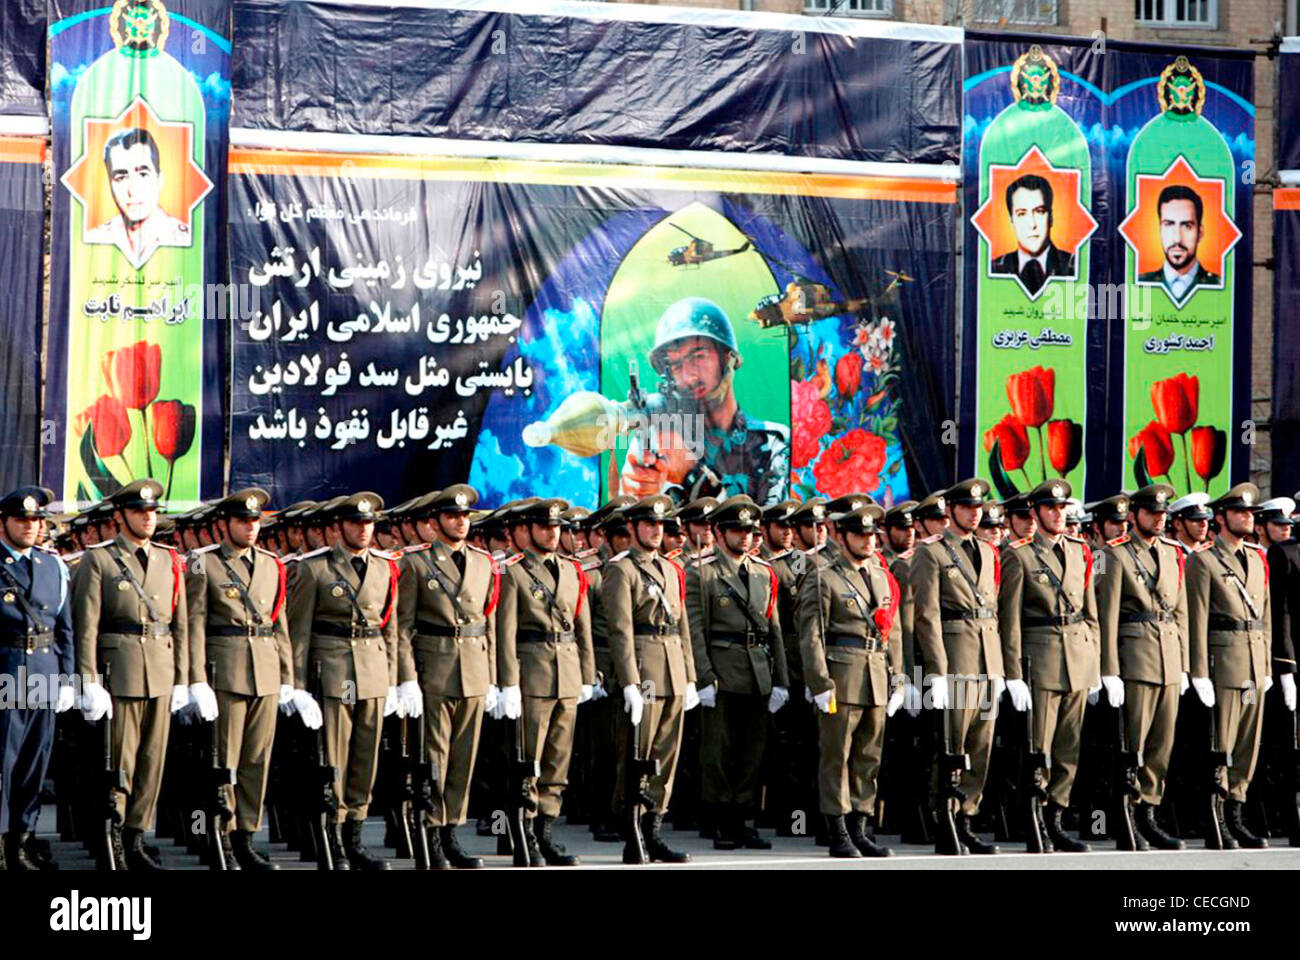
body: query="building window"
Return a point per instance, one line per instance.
(859, 8)
(1177, 13)
(1040, 12)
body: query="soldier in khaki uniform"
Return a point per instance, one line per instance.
(1047, 609)
(545, 657)
(446, 616)
(342, 618)
(731, 600)
(239, 648)
(993, 526)
(129, 616)
(650, 645)
(1229, 615)
(1142, 615)
(954, 580)
(847, 621)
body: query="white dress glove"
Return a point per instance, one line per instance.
(598, 691)
(823, 700)
(308, 709)
(1204, 688)
(204, 700)
(492, 702)
(286, 699)
(1093, 694)
(779, 698)
(180, 697)
(939, 698)
(412, 700)
(391, 703)
(1268, 683)
(96, 704)
(911, 699)
(692, 697)
(633, 704)
(1287, 681)
(584, 694)
(709, 696)
(67, 697)
(1114, 690)
(1019, 691)
(1183, 683)
(512, 702)
(807, 693)
(896, 700)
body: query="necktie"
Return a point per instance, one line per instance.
(553, 568)
(458, 561)
(743, 573)
(25, 568)
(248, 562)
(865, 574)
(359, 565)
(973, 552)
(1241, 559)
(142, 555)
(1060, 554)
(1033, 276)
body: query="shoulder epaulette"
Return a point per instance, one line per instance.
(209, 548)
(470, 546)
(313, 553)
(672, 554)
(1169, 540)
(589, 564)
(415, 548)
(779, 556)
(934, 539)
(511, 560)
(1022, 542)
(44, 549)
(618, 556)
(102, 543)
(1118, 541)
(907, 554)
(709, 559)
(761, 561)
(1070, 536)
(74, 556)
(1257, 547)
(816, 549)
(384, 554)
(165, 546)
(265, 552)
(1202, 546)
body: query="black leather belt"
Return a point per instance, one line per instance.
(348, 633)
(979, 613)
(1064, 621)
(871, 644)
(28, 641)
(1232, 625)
(744, 639)
(428, 628)
(655, 630)
(545, 636)
(1149, 616)
(134, 628)
(230, 630)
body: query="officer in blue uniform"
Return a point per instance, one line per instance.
(35, 650)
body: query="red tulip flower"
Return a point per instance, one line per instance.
(1013, 442)
(1209, 451)
(1159, 447)
(133, 373)
(1064, 445)
(173, 433)
(1032, 394)
(112, 430)
(848, 374)
(1175, 402)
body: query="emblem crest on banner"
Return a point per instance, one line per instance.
(1181, 89)
(139, 26)
(1035, 81)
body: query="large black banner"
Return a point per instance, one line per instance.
(22, 57)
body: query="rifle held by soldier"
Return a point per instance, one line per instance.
(950, 794)
(220, 813)
(636, 796)
(1033, 778)
(522, 769)
(1128, 763)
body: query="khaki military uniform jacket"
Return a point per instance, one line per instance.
(831, 603)
(544, 648)
(955, 626)
(1143, 632)
(111, 621)
(649, 632)
(900, 565)
(357, 655)
(1221, 624)
(730, 651)
(1066, 656)
(257, 661)
(451, 659)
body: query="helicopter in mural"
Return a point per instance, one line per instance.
(700, 251)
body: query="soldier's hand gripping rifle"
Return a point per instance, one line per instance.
(950, 793)
(422, 780)
(1128, 762)
(322, 791)
(636, 794)
(1033, 776)
(522, 771)
(219, 813)
(114, 783)
(1220, 760)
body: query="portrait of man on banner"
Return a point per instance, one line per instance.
(1029, 201)
(135, 174)
(1181, 213)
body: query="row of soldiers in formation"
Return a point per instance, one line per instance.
(437, 613)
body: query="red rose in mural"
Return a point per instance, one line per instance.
(1064, 445)
(107, 417)
(811, 418)
(1209, 451)
(848, 374)
(1013, 440)
(852, 463)
(1159, 447)
(1175, 401)
(1032, 394)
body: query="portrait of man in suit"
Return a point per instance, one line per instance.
(1181, 228)
(1035, 258)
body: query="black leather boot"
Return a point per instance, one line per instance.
(971, 840)
(724, 834)
(359, 856)
(39, 852)
(655, 847)
(535, 858)
(1147, 825)
(1062, 841)
(228, 851)
(837, 835)
(241, 846)
(449, 849)
(137, 858)
(1234, 809)
(859, 827)
(553, 852)
(437, 858)
(337, 853)
(16, 853)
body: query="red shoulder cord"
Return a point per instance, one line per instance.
(178, 578)
(582, 588)
(1182, 565)
(284, 589)
(393, 576)
(1265, 559)
(997, 565)
(496, 586)
(885, 618)
(771, 600)
(681, 578)
(1087, 555)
